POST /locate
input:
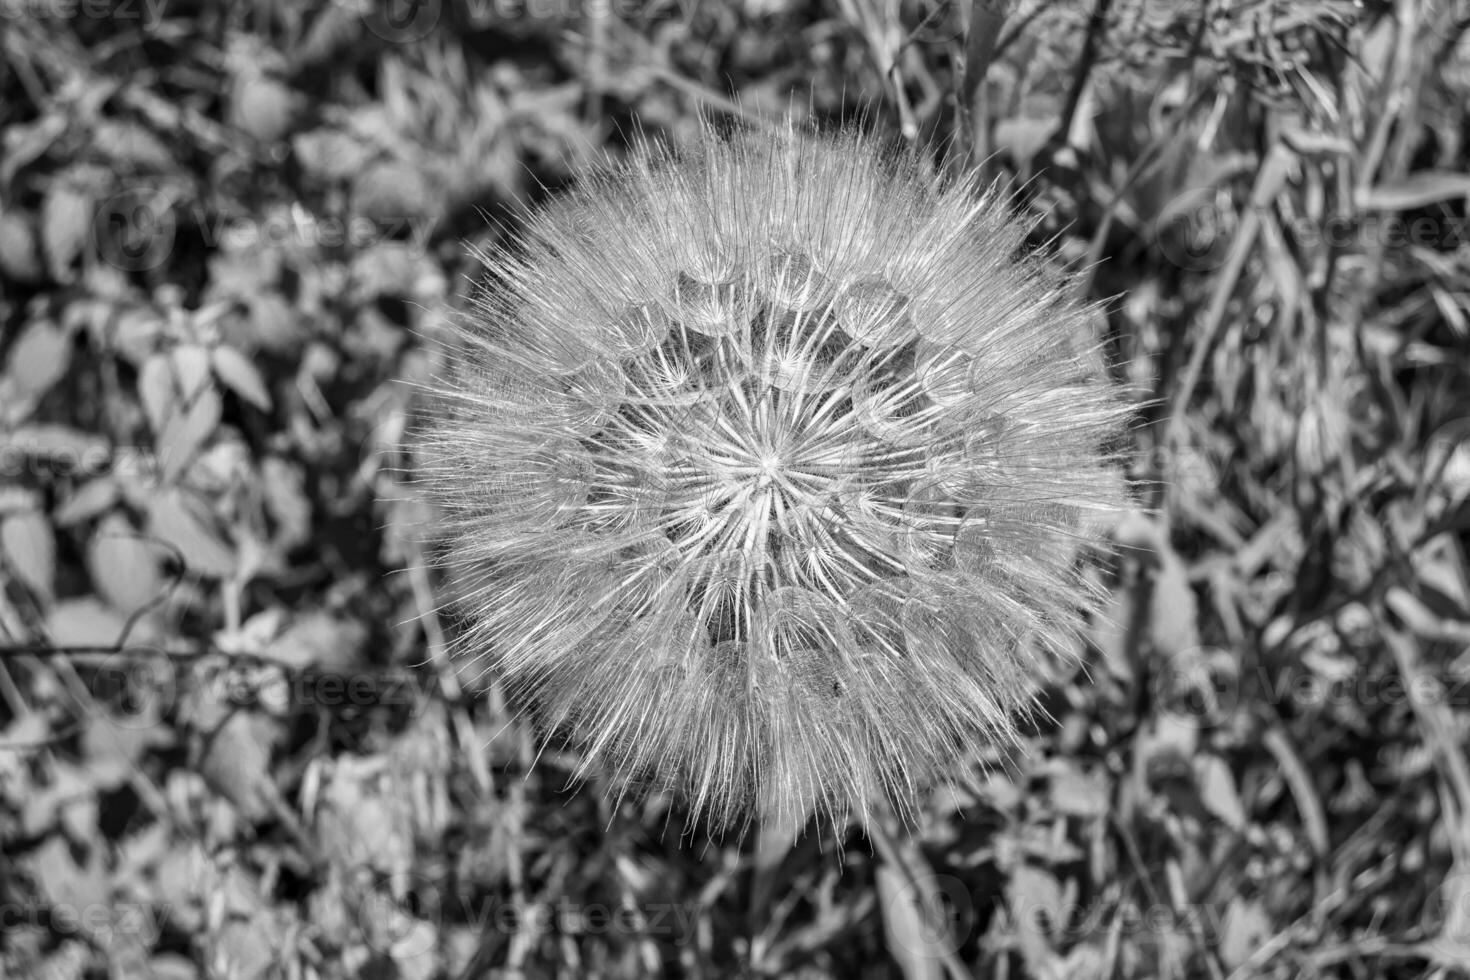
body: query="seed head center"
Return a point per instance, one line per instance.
(768, 470)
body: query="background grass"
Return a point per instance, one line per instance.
(230, 742)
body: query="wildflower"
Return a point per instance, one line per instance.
(765, 466)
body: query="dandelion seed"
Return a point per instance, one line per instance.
(765, 467)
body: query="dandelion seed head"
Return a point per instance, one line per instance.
(765, 466)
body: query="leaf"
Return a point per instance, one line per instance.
(123, 565)
(1109, 632)
(1417, 190)
(245, 949)
(61, 881)
(370, 832)
(186, 431)
(330, 154)
(392, 191)
(171, 966)
(30, 550)
(1087, 961)
(1078, 794)
(156, 390)
(191, 370)
(1023, 137)
(41, 810)
(66, 221)
(1174, 609)
(319, 639)
(25, 142)
(284, 487)
(263, 107)
(87, 501)
(20, 251)
(236, 761)
(1242, 932)
(112, 746)
(126, 143)
(182, 404)
(1310, 142)
(15, 498)
(914, 939)
(132, 332)
(1138, 533)
(39, 357)
(1035, 900)
(391, 269)
(240, 376)
(1441, 568)
(180, 519)
(87, 622)
(336, 30)
(1217, 790)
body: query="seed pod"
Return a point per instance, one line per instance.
(768, 461)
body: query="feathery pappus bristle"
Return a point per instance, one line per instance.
(765, 465)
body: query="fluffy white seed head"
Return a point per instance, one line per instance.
(765, 465)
